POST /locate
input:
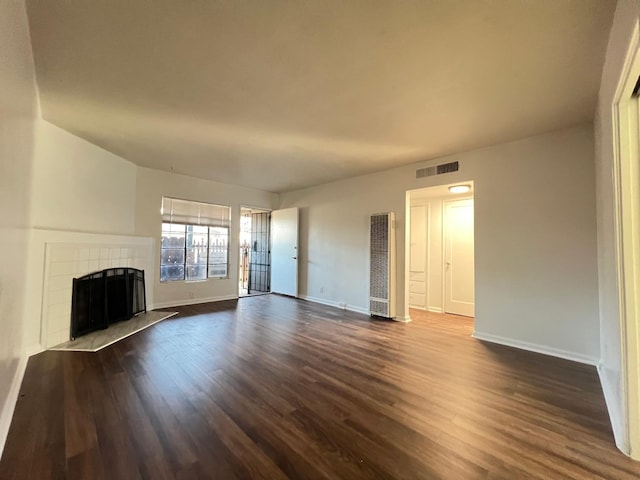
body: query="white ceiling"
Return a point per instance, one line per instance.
(283, 94)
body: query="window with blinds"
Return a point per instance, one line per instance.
(195, 240)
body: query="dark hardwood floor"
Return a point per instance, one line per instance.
(270, 387)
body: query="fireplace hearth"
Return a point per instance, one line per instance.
(102, 298)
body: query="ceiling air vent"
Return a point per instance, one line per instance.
(437, 169)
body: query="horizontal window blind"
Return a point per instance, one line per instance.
(194, 213)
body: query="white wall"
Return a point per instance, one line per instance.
(535, 242)
(76, 188)
(80, 187)
(152, 185)
(626, 16)
(18, 112)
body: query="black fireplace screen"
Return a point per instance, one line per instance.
(106, 297)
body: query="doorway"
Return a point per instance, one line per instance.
(626, 172)
(254, 277)
(440, 267)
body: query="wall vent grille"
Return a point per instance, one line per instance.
(379, 287)
(437, 169)
(382, 265)
(379, 307)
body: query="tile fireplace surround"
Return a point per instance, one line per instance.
(64, 260)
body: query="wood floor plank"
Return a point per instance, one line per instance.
(271, 387)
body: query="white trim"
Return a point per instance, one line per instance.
(254, 207)
(434, 309)
(44, 299)
(192, 301)
(405, 319)
(614, 415)
(418, 307)
(406, 299)
(626, 229)
(533, 347)
(11, 400)
(34, 350)
(427, 260)
(443, 255)
(331, 303)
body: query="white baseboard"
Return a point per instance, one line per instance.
(35, 349)
(615, 417)
(331, 303)
(532, 347)
(191, 301)
(405, 319)
(11, 400)
(434, 309)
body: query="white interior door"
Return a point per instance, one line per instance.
(284, 251)
(458, 256)
(417, 256)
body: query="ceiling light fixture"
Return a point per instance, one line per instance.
(459, 188)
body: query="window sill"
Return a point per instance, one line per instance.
(192, 281)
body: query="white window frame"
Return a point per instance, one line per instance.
(201, 221)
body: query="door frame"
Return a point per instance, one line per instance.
(407, 239)
(239, 232)
(626, 173)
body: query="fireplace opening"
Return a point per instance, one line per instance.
(102, 298)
